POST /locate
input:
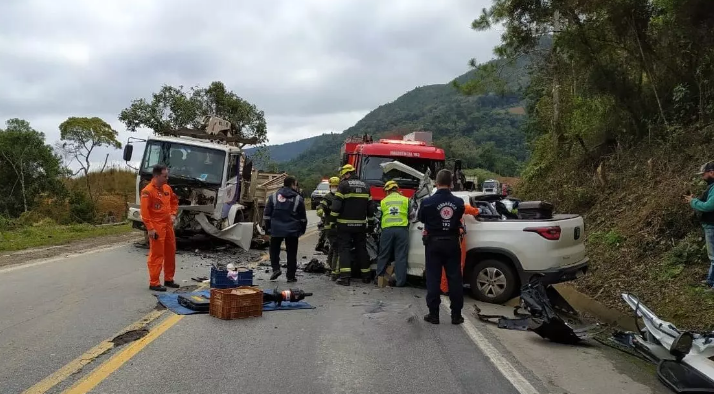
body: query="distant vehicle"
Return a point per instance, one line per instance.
(491, 186)
(319, 193)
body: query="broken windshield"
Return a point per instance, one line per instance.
(185, 161)
(371, 170)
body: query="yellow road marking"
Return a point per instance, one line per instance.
(115, 362)
(90, 355)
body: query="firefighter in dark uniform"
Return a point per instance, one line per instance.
(323, 211)
(441, 214)
(351, 208)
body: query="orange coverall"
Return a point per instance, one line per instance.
(444, 283)
(157, 207)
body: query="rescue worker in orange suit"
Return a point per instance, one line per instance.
(468, 210)
(441, 215)
(159, 206)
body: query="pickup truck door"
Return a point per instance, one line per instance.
(417, 257)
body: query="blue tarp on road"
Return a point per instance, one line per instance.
(170, 301)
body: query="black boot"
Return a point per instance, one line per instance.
(157, 288)
(171, 284)
(457, 319)
(276, 274)
(433, 319)
(343, 281)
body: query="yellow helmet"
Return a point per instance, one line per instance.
(390, 185)
(334, 181)
(346, 168)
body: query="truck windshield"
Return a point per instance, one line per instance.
(489, 185)
(185, 161)
(322, 186)
(371, 171)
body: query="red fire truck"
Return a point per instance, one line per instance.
(414, 149)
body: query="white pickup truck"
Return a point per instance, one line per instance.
(502, 254)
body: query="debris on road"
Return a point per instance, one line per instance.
(540, 317)
(685, 360)
(315, 266)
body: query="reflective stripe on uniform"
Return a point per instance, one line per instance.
(297, 202)
(352, 221)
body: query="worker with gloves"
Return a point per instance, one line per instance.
(351, 209)
(441, 214)
(704, 206)
(285, 220)
(395, 233)
(159, 206)
(329, 231)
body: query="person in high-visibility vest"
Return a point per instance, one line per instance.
(395, 233)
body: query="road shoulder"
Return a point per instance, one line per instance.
(33, 254)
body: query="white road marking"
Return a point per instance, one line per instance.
(506, 368)
(60, 258)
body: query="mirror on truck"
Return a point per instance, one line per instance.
(128, 150)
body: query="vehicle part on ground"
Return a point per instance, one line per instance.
(314, 266)
(493, 281)
(541, 317)
(291, 295)
(686, 359)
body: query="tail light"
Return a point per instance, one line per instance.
(551, 233)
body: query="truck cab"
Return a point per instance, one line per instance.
(414, 149)
(219, 192)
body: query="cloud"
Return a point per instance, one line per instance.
(313, 66)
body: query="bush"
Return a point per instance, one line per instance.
(689, 251)
(6, 223)
(81, 207)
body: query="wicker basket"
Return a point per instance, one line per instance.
(228, 304)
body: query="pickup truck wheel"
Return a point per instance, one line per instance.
(492, 281)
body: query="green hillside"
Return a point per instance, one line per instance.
(287, 151)
(484, 131)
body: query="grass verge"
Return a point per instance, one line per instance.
(51, 235)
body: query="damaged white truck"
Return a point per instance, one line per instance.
(503, 252)
(219, 191)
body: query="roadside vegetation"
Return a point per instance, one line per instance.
(620, 111)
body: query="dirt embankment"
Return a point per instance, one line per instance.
(642, 238)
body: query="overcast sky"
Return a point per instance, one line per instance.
(313, 66)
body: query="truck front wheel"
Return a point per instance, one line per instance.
(493, 281)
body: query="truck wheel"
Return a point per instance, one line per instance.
(493, 281)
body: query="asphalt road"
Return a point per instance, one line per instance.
(360, 339)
